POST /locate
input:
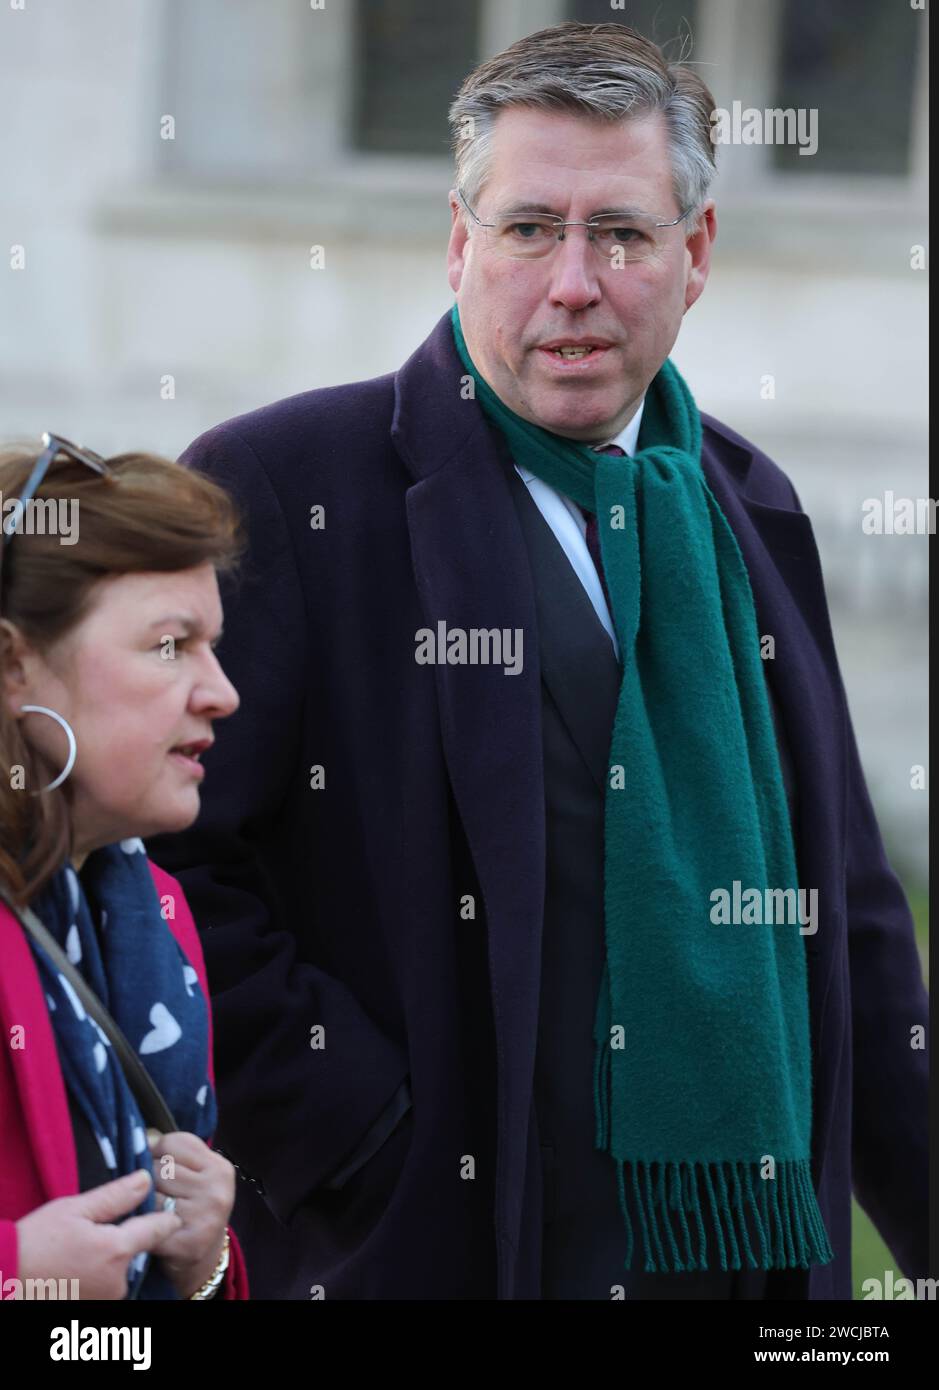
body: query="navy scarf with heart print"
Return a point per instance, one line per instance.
(110, 923)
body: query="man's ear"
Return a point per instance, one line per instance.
(698, 247)
(456, 249)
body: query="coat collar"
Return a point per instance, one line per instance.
(435, 415)
(431, 426)
(440, 431)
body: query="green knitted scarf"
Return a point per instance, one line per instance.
(702, 1080)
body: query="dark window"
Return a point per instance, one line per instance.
(662, 21)
(854, 61)
(411, 57)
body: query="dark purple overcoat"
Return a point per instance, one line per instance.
(332, 900)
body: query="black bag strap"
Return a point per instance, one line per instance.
(153, 1107)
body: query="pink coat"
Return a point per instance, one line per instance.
(39, 1162)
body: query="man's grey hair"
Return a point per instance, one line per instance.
(604, 72)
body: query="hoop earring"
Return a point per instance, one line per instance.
(69, 734)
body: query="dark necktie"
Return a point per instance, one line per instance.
(593, 531)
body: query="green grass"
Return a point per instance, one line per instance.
(870, 1258)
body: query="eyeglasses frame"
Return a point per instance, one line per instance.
(560, 224)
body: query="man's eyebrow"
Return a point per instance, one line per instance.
(627, 210)
(517, 209)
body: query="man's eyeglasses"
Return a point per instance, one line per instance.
(53, 446)
(617, 237)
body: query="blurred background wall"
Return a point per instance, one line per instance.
(168, 164)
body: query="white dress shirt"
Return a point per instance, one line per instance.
(569, 525)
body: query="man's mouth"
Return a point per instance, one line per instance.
(575, 349)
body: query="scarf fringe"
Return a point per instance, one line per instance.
(759, 1223)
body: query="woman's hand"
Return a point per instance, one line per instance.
(72, 1238)
(202, 1183)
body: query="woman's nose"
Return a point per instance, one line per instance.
(217, 691)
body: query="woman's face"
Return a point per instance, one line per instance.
(137, 680)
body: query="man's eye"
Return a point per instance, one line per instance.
(622, 235)
(529, 231)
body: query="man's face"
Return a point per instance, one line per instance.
(510, 308)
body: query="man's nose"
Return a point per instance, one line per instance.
(575, 270)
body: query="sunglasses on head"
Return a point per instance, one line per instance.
(53, 446)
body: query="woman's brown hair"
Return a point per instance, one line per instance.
(148, 514)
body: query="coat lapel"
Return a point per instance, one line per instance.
(472, 572)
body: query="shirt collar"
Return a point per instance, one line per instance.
(627, 439)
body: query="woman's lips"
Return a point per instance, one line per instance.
(192, 765)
